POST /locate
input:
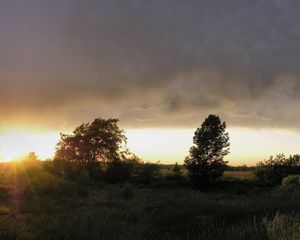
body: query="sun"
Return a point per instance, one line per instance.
(15, 144)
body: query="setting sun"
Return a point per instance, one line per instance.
(15, 144)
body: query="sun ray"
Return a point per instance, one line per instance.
(14, 144)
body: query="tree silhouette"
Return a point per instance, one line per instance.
(99, 141)
(205, 162)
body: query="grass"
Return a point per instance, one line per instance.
(48, 207)
(167, 169)
(238, 174)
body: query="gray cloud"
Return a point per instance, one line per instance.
(150, 63)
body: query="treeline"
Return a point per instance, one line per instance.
(97, 151)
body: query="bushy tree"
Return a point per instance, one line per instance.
(90, 144)
(205, 163)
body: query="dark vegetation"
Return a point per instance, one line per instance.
(95, 188)
(205, 163)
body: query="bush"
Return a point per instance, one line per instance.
(147, 172)
(282, 226)
(118, 171)
(272, 171)
(94, 170)
(293, 181)
(45, 183)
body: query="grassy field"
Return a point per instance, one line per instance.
(37, 205)
(167, 169)
(238, 174)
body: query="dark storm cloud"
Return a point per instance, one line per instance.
(150, 63)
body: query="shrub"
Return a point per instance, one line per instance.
(118, 171)
(282, 226)
(293, 181)
(273, 170)
(147, 172)
(45, 183)
(94, 170)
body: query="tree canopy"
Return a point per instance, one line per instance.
(99, 141)
(205, 162)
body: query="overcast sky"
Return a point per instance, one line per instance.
(150, 63)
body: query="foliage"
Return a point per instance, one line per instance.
(118, 171)
(84, 178)
(292, 181)
(176, 169)
(123, 169)
(205, 163)
(99, 141)
(147, 172)
(132, 169)
(65, 168)
(45, 183)
(273, 170)
(283, 227)
(127, 211)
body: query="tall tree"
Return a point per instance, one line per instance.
(99, 141)
(205, 162)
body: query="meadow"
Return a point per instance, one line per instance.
(34, 204)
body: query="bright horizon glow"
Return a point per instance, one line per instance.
(14, 144)
(168, 146)
(248, 146)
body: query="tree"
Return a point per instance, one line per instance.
(92, 143)
(205, 162)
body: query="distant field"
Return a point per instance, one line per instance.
(167, 169)
(238, 174)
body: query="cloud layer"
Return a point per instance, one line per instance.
(150, 63)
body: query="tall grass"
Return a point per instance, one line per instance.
(53, 208)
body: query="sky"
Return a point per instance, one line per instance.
(159, 66)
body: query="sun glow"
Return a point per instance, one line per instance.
(164, 145)
(16, 143)
(248, 146)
